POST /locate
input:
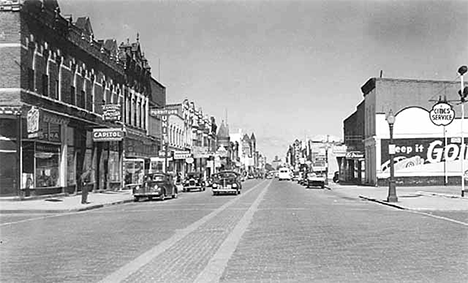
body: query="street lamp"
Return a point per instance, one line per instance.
(392, 197)
(462, 70)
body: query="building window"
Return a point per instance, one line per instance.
(31, 79)
(45, 85)
(57, 87)
(72, 95)
(82, 99)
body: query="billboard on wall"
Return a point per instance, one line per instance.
(424, 156)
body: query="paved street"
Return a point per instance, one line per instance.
(273, 232)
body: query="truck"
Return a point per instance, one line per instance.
(317, 176)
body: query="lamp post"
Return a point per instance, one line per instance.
(392, 197)
(462, 70)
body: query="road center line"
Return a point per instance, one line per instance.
(217, 264)
(146, 257)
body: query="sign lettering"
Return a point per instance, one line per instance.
(442, 114)
(100, 135)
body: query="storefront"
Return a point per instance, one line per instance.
(109, 158)
(43, 154)
(138, 152)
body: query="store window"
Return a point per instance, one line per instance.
(47, 165)
(114, 163)
(71, 160)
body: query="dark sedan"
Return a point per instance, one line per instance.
(226, 182)
(194, 181)
(160, 185)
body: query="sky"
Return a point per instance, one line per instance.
(284, 70)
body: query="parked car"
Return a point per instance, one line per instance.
(160, 185)
(194, 181)
(226, 182)
(315, 179)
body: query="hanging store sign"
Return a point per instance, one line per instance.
(111, 112)
(165, 111)
(182, 154)
(33, 122)
(442, 114)
(102, 135)
(164, 124)
(354, 155)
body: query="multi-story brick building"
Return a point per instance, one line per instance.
(68, 102)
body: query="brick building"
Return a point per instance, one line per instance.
(69, 102)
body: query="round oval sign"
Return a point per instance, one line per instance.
(442, 114)
(189, 160)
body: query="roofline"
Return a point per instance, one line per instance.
(369, 85)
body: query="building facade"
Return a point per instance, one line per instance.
(68, 102)
(424, 152)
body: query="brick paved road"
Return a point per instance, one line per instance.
(277, 233)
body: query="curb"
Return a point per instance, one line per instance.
(95, 206)
(382, 202)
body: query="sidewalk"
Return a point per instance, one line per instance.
(71, 203)
(414, 198)
(65, 204)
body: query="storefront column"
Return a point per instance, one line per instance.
(63, 159)
(19, 158)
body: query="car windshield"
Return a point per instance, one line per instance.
(193, 175)
(225, 175)
(155, 178)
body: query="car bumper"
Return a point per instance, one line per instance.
(225, 190)
(150, 194)
(192, 187)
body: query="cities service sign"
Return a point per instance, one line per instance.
(442, 114)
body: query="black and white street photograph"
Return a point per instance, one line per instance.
(233, 141)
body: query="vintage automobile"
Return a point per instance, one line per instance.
(160, 185)
(316, 179)
(226, 182)
(194, 181)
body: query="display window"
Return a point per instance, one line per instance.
(71, 158)
(114, 164)
(88, 163)
(47, 158)
(134, 171)
(71, 170)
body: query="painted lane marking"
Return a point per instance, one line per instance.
(217, 264)
(134, 265)
(439, 217)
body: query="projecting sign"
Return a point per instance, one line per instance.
(101, 135)
(442, 114)
(163, 111)
(182, 154)
(33, 120)
(111, 112)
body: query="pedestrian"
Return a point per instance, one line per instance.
(84, 180)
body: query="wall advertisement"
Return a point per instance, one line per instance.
(424, 156)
